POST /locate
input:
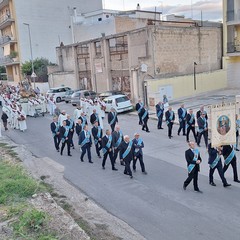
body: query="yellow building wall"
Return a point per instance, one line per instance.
(183, 86)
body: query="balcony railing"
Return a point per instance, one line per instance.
(233, 48)
(4, 18)
(5, 39)
(5, 60)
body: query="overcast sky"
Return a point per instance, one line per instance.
(211, 9)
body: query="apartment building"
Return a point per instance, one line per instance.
(50, 23)
(231, 30)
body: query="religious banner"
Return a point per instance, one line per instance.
(223, 124)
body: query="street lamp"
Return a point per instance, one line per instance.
(30, 44)
(194, 75)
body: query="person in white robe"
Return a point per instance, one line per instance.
(77, 113)
(52, 106)
(22, 120)
(62, 117)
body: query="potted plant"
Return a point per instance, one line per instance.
(13, 55)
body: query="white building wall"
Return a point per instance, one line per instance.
(50, 24)
(89, 31)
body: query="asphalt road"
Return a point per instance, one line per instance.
(154, 204)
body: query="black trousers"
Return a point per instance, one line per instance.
(182, 126)
(160, 121)
(145, 126)
(192, 175)
(205, 136)
(115, 155)
(190, 128)
(220, 172)
(98, 147)
(127, 169)
(234, 167)
(68, 146)
(71, 139)
(113, 126)
(140, 119)
(5, 126)
(170, 126)
(86, 148)
(110, 154)
(140, 158)
(56, 139)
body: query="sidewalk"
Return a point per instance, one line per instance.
(194, 102)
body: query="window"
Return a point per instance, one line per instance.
(109, 101)
(86, 94)
(122, 99)
(98, 49)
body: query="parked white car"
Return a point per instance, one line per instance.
(120, 103)
(58, 93)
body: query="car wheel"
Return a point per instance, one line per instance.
(58, 99)
(66, 101)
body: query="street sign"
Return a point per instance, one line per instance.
(33, 75)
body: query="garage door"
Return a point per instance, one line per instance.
(233, 74)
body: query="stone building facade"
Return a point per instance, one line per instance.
(125, 61)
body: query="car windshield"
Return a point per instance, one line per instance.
(52, 90)
(77, 94)
(122, 99)
(70, 92)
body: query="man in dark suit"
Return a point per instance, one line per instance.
(85, 141)
(215, 162)
(71, 125)
(117, 138)
(199, 113)
(55, 129)
(138, 145)
(190, 124)
(107, 149)
(112, 118)
(193, 158)
(159, 111)
(230, 159)
(94, 117)
(139, 107)
(182, 114)
(145, 117)
(78, 127)
(170, 117)
(202, 129)
(97, 136)
(126, 154)
(65, 137)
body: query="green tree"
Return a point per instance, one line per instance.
(40, 68)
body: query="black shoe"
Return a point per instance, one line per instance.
(90, 161)
(147, 131)
(170, 137)
(237, 181)
(82, 160)
(73, 147)
(103, 167)
(198, 145)
(184, 134)
(237, 149)
(144, 172)
(99, 156)
(122, 163)
(213, 184)
(161, 128)
(61, 153)
(131, 176)
(178, 133)
(69, 155)
(115, 169)
(126, 173)
(226, 185)
(57, 150)
(184, 187)
(198, 191)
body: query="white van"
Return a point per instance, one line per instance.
(57, 93)
(120, 103)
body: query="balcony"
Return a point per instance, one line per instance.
(6, 39)
(5, 21)
(7, 60)
(233, 17)
(233, 49)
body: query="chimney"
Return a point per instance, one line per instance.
(138, 7)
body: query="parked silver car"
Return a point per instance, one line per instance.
(75, 98)
(68, 95)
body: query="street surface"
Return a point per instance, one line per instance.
(155, 204)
